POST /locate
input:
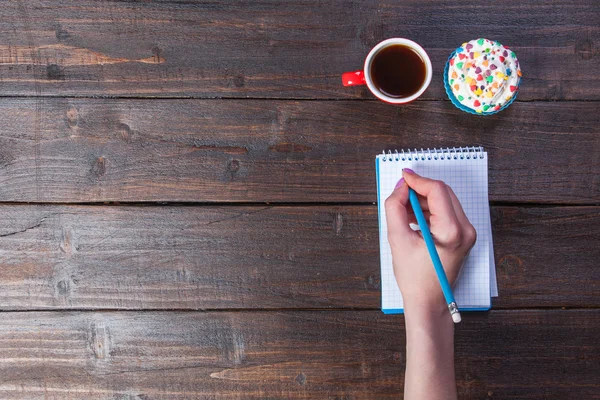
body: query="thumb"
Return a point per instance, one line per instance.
(396, 213)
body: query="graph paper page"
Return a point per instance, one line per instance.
(468, 178)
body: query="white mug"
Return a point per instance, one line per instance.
(364, 77)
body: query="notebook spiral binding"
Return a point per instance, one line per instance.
(434, 154)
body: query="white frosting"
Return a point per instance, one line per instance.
(484, 75)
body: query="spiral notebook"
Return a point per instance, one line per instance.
(465, 170)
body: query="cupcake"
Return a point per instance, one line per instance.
(482, 77)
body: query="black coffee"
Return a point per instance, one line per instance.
(398, 71)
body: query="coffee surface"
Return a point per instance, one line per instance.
(398, 71)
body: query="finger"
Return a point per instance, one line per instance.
(396, 212)
(422, 203)
(469, 233)
(458, 210)
(438, 199)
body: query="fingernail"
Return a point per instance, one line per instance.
(410, 171)
(399, 184)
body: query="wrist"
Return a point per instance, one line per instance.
(427, 314)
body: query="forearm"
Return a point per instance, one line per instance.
(429, 354)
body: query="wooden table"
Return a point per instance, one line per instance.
(188, 199)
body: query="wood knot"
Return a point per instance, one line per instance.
(63, 287)
(233, 166)
(511, 265)
(54, 72)
(99, 167)
(301, 379)
(239, 81)
(72, 117)
(125, 132)
(62, 35)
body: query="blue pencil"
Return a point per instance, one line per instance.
(435, 258)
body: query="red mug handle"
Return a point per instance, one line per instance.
(353, 78)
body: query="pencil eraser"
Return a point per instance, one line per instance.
(456, 317)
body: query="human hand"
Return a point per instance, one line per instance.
(452, 232)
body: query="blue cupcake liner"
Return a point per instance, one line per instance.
(461, 106)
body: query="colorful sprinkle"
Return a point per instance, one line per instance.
(477, 74)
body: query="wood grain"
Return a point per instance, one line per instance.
(292, 355)
(94, 257)
(279, 49)
(82, 150)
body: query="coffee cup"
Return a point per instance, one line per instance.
(396, 71)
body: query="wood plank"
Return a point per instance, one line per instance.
(291, 355)
(90, 257)
(83, 150)
(279, 48)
